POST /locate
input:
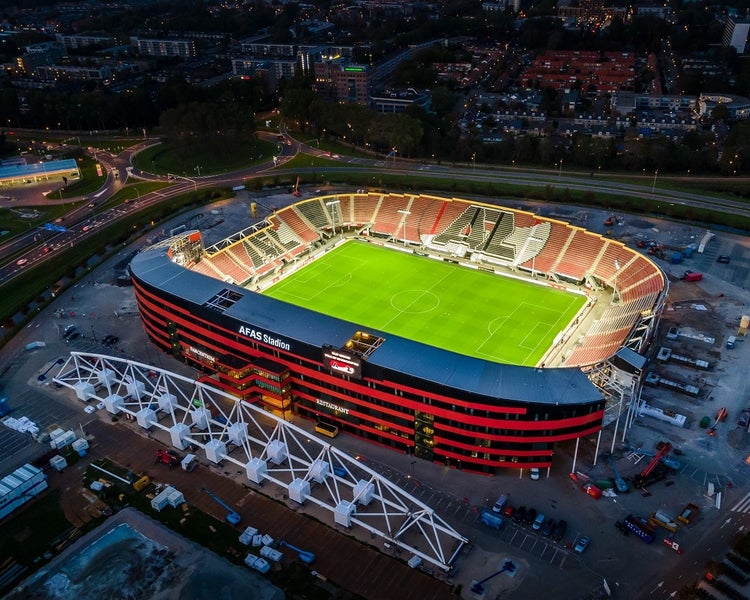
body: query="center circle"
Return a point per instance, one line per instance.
(415, 301)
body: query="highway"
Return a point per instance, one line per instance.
(38, 245)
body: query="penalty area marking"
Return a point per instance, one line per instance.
(496, 326)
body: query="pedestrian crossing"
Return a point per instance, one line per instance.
(743, 505)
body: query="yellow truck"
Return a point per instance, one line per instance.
(141, 483)
(662, 519)
(688, 513)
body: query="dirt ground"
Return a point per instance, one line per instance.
(147, 562)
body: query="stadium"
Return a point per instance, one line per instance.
(461, 332)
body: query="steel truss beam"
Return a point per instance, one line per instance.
(268, 448)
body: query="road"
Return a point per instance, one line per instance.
(35, 246)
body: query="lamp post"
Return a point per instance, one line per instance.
(198, 168)
(653, 187)
(560, 172)
(414, 462)
(330, 204)
(474, 161)
(406, 213)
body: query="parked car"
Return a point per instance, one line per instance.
(534, 473)
(500, 504)
(723, 258)
(538, 522)
(530, 516)
(581, 544)
(549, 527)
(73, 335)
(110, 340)
(520, 514)
(560, 529)
(509, 510)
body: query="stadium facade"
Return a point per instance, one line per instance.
(203, 305)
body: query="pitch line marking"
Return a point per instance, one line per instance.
(342, 281)
(428, 290)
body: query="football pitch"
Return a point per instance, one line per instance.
(441, 304)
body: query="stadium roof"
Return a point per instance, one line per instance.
(510, 382)
(41, 168)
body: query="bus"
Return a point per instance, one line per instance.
(327, 429)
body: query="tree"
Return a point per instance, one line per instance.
(210, 123)
(720, 113)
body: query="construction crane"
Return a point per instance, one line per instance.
(233, 518)
(620, 484)
(305, 556)
(663, 449)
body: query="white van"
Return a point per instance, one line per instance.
(500, 504)
(731, 340)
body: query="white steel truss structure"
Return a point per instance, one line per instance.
(269, 449)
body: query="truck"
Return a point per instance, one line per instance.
(167, 457)
(592, 490)
(662, 519)
(640, 528)
(692, 276)
(141, 483)
(688, 513)
(491, 519)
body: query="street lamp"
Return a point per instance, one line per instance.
(330, 206)
(406, 213)
(653, 187)
(198, 168)
(560, 173)
(474, 161)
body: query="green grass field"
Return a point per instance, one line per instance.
(437, 303)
